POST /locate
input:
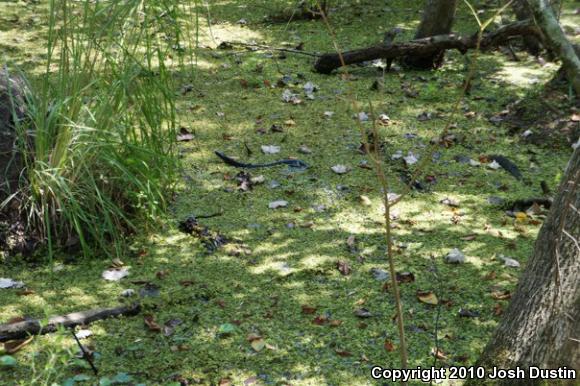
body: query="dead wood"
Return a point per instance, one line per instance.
(21, 330)
(423, 47)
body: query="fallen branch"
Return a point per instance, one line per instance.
(262, 47)
(21, 330)
(326, 63)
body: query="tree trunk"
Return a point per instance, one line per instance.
(437, 19)
(557, 41)
(523, 12)
(542, 324)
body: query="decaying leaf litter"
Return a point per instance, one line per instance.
(300, 294)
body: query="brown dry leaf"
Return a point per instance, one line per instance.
(290, 122)
(335, 323)
(307, 310)
(161, 274)
(151, 323)
(343, 353)
(343, 267)
(470, 237)
(25, 292)
(501, 295)
(186, 283)
(490, 276)
(497, 309)
(320, 320)
(405, 277)
(15, 345)
(438, 354)
(225, 382)
(389, 346)
(252, 337)
(427, 297)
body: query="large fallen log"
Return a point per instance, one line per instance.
(21, 330)
(326, 63)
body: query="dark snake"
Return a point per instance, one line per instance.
(292, 163)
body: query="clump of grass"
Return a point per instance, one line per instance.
(98, 145)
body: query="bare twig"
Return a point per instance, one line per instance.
(268, 48)
(86, 355)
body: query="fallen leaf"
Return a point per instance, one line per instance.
(450, 202)
(115, 274)
(161, 274)
(405, 277)
(335, 323)
(389, 346)
(427, 297)
(509, 262)
(307, 310)
(169, 326)
(342, 353)
(365, 200)
(363, 313)
(455, 256)
(490, 276)
(340, 169)
(343, 267)
(410, 159)
(9, 283)
(184, 135)
(278, 204)
(225, 382)
(501, 295)
(320, 320)
(270, 149)
(438, 354)
(151, 323)
(226, 329)
(258, 344)
(380, 274)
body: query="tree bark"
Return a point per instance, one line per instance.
(541, 327)
(523, 12)
(437, 19)
(425, 47)
(557, 41)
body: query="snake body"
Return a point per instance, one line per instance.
(292, 163)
